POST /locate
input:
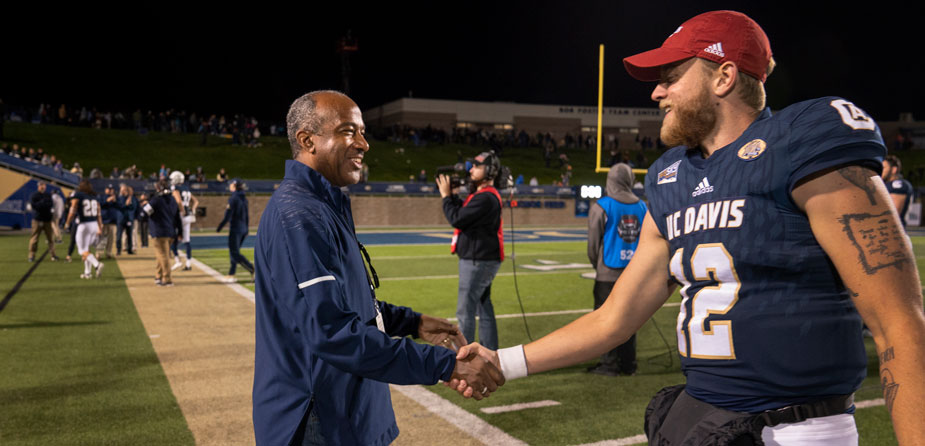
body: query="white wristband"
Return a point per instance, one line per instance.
(513, 362)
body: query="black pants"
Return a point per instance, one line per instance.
(125, 226)
(73, 243)
(623, 358)
(235, 240)
(143, 232)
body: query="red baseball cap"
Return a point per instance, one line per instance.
(718, 36)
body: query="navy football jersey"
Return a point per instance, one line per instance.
(186, 197)
(88, 206)
(901, 187)
(765, 320)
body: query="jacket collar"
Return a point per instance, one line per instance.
(316, 183)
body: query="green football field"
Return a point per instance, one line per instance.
(78, 367)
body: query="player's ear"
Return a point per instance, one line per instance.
(304, 137)
(725, 78)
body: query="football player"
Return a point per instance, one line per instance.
(187, 203)
(86, 206)
(900, 189)
(782, 237)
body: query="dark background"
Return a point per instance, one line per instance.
(256, 59)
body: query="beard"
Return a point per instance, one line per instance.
(693, 121)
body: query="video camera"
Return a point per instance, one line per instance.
(459, 172)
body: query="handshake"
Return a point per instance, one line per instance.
(478, 371)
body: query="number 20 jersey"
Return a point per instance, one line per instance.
(765, 320)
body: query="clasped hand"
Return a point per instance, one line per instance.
(477, 373)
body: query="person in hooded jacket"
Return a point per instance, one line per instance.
(614, 222)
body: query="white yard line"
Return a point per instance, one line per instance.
(455, 415)
(869, 403)
(248, 294)
(520, 406)
(455, 276)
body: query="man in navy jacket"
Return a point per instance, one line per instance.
(237, 219)
(164, 222)
(325, 351)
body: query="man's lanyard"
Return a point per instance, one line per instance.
(373, 279)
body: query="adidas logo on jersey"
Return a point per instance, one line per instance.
(703, 188)
(716, 48)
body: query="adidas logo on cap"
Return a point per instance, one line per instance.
(702, 188)
(716, 48)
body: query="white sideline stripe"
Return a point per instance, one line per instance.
(455, 415)
(620, 442)
(520, 406)
(869, 403)
(248, 294)
(309, 283)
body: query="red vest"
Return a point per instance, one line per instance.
(500, 223)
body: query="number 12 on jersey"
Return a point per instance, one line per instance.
(710, 262)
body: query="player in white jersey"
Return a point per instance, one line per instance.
(86, 207)
(187, 203)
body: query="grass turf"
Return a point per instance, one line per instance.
(593, 408)
(78, 367)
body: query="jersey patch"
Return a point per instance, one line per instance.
(753, 149)
(670, 174)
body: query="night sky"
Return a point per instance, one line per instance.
(256, 60)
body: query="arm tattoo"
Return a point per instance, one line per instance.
(861, 178)
(887, 355)
(890, 388)
(878, 240)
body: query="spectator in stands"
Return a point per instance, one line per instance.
(163, 172)
(221, 176)
(200, 176)
(42, 221)
(114, 175)
(76, 169)
(96, 174)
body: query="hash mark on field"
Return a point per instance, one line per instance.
(520, 406)
(154, 336)
(455, 415)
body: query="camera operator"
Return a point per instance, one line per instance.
(479, 243)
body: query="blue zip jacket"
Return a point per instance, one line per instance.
(236, 213)
(316, 323)
(164, 216)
